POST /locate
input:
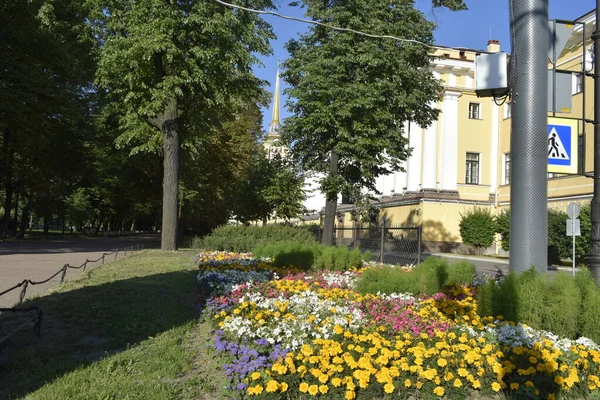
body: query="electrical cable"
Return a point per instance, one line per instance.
(337, 28)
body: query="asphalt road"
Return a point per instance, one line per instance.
(39, 259)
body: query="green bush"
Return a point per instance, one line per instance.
(386, 279)
(317, 256)
(461, 272)
(502, 221)
(532, 292)
(477, 228)
(566, 306)
(563, 304)
(245, 238)
(428, 277)
(589, 316)
(288, 254)
(559, 245)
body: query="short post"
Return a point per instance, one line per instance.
(116, 253)
(23, 291)
(64, 274)
(382, 241)
(85, 264)
(419, 244)
(103, 255)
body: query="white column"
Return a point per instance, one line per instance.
(430, 156)
(449, 167)
(494, 149)
(414, 161)
(402, 179)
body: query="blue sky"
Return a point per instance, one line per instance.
(469, 29)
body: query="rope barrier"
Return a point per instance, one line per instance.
(37, 328)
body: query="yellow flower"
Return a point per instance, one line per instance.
(389, 387)
(323, 389)
(407, 383)
(283, 386)
(439, 390)
(350, 395)
(442, 362)
(514, 386)
(495, 386)
(313, 390)
(457, 383)
(476, 384)
(336, 382)
(303, 387)
(272, 386)
(255, 375)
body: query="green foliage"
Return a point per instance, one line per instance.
(340, 258)
(315, 256)
(565, 305)
(347, 93)
(461, 272)
(244, 238)
(288, 254)
(285, 189)
(477, 228)
(428, 277)
(589, 316)
(502, 221)
(559, 245)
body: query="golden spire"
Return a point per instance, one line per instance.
(275, 124)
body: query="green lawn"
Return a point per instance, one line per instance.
(126, 330)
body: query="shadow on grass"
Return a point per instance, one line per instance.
(87, 324)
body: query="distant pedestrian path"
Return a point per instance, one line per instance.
(39, 259)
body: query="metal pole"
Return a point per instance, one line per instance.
(529, 135)
(573, 231)
(381, 247)
(593, 257)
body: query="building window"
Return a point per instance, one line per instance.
(474, 110)
(472, 176)
(577, 83)
(552, 175)
(506, 110)
(507, 169)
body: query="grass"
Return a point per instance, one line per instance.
(128, 329)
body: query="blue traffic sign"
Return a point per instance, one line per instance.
(562, 145)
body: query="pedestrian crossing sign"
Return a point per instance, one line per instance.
(562, 145)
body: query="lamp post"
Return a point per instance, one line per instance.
(593, 257)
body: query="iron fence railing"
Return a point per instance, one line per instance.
(388, 244)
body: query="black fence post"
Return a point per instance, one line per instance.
(64, 274)
(382, 242)
(419, 238)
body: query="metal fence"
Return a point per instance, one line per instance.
(388, 244)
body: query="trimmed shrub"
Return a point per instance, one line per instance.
(477, 228)
(316, 256)
(589, 315)
(245, 238)
(461, 272)
(386, 279)
(532, 292)
(428, 277)
(563, 304)
(486, 298)
(502, 221)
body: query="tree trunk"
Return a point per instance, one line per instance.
(8, 184)
(169, 126)
(330, 204)
(25, 217)
(168, 123)
(15, 221)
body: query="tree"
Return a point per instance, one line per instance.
(352, 96)
(477, 228)
(285, 189)
(176, 68)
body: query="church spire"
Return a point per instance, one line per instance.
(275, 124)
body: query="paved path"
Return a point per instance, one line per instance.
(489, 265)
(39, 259)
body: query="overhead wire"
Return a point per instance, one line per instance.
(337, 28)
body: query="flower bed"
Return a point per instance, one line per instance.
(312, 335)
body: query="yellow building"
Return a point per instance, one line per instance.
(463, 159)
